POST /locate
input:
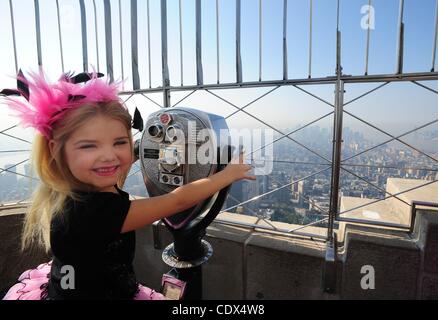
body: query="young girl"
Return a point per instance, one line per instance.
(82, 153)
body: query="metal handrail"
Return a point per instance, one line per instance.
(414, 209)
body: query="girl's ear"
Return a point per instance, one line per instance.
(52, 147)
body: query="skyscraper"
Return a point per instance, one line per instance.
(301, 192)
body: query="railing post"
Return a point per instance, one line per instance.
(38, 33)
(134, 45)
(400, 38)
(95, 32)
(336, 156)
(199, 72)
(84, 36)
(108, 40)
(165, 68)
(284, 39)
(337, 134)
(330, 267)
(11, 10)
(329, 275)
(238, 38)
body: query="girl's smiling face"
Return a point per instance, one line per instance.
(99, 152)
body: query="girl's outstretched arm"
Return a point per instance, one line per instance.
(145, 211)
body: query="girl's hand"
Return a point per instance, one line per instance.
(184, 197)
(238, 170)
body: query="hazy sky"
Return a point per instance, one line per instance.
(399, 107)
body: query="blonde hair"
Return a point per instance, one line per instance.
(57, 182)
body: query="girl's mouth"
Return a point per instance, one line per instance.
(107, 171)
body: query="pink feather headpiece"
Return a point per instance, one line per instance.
(46, 102)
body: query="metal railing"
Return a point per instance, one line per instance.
(338, 80)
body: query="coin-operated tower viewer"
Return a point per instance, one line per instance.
(178, 146)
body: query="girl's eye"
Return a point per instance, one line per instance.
(92, 146)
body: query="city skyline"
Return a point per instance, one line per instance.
(306, 200)
(426, 140)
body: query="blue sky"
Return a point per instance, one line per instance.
(398, 107)
(419, 21)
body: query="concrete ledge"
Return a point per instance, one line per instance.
(250, 264)
(13, 262)
(234, 272)
(283, 268)
(429, 288)
(223, 275)
(266, 258)
(271, 227)
(426, 232)
(394, 257)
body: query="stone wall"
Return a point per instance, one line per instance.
(249, 263)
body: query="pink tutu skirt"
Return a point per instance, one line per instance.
(33, 284)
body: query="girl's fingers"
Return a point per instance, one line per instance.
(235, 160)
(238, 158)
(241, 157)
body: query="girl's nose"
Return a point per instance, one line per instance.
(108, 154)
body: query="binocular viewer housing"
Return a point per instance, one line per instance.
(179, 146)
